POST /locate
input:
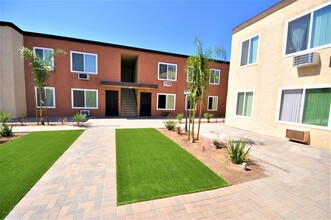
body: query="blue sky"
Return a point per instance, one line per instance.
(169, 26)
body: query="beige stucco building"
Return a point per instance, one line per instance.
(280, 75)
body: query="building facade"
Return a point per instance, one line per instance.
(280, 76)
(100, 79)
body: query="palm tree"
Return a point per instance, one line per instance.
(40, 69)
(198, 68)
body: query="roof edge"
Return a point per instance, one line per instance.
(34, 34)
(263, 14)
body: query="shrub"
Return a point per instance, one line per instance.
(79, 117)
(237, 151)
(170, 124)
(6, 130)
(62, 120)
(208, 116)
(180, 117)
(4, 117)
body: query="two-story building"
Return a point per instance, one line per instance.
(280, 76)
(100, 79)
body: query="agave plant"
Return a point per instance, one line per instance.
(237, 151)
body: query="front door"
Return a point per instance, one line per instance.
(145, 103)
(111, 103)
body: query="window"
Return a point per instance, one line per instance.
(212, 103)
(84, 62)
(249, 51)
(214, 76)
(167, 71)
(84, 98)
(44, 53)
(306, 106)
(49, 94)
(244, 104)
(309, 31)
(166, 101)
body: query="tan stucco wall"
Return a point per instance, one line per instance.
(274, 71)
(12, 81)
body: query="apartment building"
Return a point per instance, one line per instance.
(280, 76)
(100, 79)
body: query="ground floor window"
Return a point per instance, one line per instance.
(47, 97)
(244, 104)
(212, 103)
(166, 101)
(306, 106)
(84, 98)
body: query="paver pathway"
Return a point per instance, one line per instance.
(82, 184)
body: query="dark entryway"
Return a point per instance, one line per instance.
(111, 103)
(129, 68)
(145, 103)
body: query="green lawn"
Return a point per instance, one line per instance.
(150, 166)
(23, 161)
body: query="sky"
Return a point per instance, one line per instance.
(169, 26)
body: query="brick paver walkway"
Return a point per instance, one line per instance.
(82, 184)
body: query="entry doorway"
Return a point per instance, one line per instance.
(145, 104)
(111, 103)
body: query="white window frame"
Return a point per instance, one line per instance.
(308, 50)
(83, 53)
(304, 88)
(219, 77)
(252, 111)
(249, 47)
(166, 94)
(54, 103)
(45, 48)
(158, 71)
(213, 110)
(77, 89)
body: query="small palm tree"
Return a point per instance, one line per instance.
(40, 69)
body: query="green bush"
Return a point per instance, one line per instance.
(180, 117)
(170, 124)
(237, 151)
(208, 116)
(79, 117)
(4, 117)
(6, 130)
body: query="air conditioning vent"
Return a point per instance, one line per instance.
(309, 59)
(83, 76)
(85, 112)
(301, 136)
(167, 83)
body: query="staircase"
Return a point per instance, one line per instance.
(129, 103)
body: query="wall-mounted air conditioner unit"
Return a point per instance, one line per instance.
(167, 83)
(83, 76)
(309, 59)
(85, 112)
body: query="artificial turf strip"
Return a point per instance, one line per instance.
(24, 160)
(150, 166)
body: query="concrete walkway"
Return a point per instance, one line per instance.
(82, 183)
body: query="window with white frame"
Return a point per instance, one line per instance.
(249, 51)
(212, 103)
(309, 31)
(167, 71)
(84, 62)
(306, 106)
(84, 98)
(47, 97)
(166, 101)
(244, 104)
(45, 54)
(214, 76)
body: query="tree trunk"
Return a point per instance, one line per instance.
(46, 108)
(41, 109)
(200, 110)
(189, 121)
(193, 117)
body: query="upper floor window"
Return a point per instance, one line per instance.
(167, 71)
(249, 51)
(45, 54)
(83, 62)
(215, 76)
(309, 31)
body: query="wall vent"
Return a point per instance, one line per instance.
(309, 59)
(85, 112)
(167, 83)
(83, 76)
(295, 135)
